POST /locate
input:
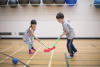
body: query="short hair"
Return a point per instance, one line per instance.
(59, 15)
(33, 22)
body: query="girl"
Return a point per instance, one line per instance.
(29, 36)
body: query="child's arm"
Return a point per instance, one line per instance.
(65, 33)
(34, 35)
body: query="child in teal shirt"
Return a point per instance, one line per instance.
(29, 36)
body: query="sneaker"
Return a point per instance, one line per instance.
(33, 49)
(30, 52)
(69, 57)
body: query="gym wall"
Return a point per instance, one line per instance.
(84, 18)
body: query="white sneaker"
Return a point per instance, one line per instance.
(69, 57)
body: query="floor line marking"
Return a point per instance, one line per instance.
(50, 61)
(6, 49)
(32, 57)
(67, 63)
(11, 55)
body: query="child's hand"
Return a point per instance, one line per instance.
(38, 39)
(61, 36)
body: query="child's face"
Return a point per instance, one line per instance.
(33, 26)
(60, 20)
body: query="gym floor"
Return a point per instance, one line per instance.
(88, 54)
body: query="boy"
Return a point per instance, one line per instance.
(29, 36)
(69, 32)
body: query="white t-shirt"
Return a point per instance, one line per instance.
(67, 28)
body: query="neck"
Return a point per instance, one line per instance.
(62, 22)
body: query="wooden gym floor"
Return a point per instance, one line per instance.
(88, 54)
